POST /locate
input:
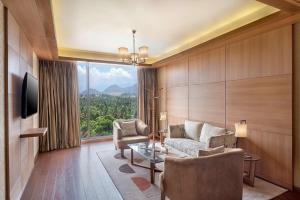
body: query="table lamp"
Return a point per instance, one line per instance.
(241, 130)
(163, 117)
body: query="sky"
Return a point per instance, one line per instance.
(103, 75)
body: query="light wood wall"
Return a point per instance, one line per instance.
(246, 79)
(21, 152)
(296, 101)
(2, 106)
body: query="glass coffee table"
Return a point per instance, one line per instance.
(147, 151)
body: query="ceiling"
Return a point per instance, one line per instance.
(165, 26)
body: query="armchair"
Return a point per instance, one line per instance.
(219, 176)
(120, 141)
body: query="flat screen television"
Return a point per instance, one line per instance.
(29, 95)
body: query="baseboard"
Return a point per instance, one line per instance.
(97, 139)
(296, 189)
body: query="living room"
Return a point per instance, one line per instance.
(150, 99)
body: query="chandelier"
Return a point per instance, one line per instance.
(134, 58)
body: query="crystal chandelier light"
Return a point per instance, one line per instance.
(134, 58)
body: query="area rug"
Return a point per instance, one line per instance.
(133, 182)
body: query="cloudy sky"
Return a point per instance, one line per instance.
(103, 75)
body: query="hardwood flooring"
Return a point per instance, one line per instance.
(71, 174)
(77, 173)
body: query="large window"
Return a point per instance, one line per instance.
(107, 92)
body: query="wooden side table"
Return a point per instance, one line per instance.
(249, 177)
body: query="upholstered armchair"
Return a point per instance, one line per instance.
(218, 176)
(128, 132)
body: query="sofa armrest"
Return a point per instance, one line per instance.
(117, 132)
(176, 131)
(230, 140)
(142, 128)
(216, 141)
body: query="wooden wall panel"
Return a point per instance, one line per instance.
(177, 98)
(267, 54)
(207, 67)
(177, 73)
(296, 105)
(266, 103)
(2, 105)
(21, 151)
(275, 151)
(207, 103)
(241, 78)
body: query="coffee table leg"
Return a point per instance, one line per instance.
(152, 173)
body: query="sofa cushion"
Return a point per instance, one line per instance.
(208, 131)
(188, 146)
(128, 128)
(192, 129)
(211, 151)
(176, 131)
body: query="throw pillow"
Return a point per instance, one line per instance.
(208, 131)
(211, 151)
(128, 128)
(192, 129)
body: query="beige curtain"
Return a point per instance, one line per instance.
(148, 98)
(58, 105)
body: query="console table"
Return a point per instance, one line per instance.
(34, 132)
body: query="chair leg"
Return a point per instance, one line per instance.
(162, 196)
(122, 153)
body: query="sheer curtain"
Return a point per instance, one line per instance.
(148, 98)
(58, 105)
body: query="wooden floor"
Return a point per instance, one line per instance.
(78, 174)
(71, 174)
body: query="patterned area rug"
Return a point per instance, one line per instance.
(134, 182)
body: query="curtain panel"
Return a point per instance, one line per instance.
(58, 105)
(148, 99)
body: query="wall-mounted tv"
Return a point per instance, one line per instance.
(29, 95)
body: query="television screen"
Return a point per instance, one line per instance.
(29, 95)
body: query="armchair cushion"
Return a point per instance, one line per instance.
(209, 131)
(132, 139)
(192, 129)
(128, 128)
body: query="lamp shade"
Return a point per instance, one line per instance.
(163, 116)
(241, 129)
(123, 52)
(143, 52)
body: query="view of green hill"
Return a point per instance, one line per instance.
(104, 109)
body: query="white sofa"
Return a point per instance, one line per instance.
(193, 136)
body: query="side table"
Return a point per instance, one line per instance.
(251, 159)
